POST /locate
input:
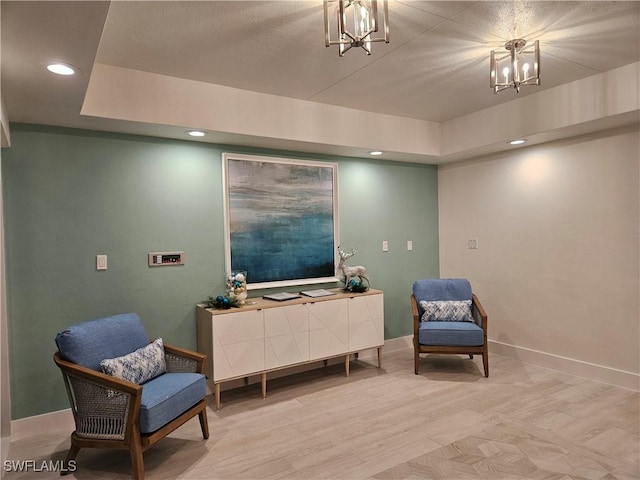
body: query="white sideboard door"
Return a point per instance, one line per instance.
(238, 344)
(286, 339)
(366, 322)
(328, 328)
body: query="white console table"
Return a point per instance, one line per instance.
(265, 335)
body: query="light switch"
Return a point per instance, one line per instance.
(409, 245)
(385, 246)
(101, 262)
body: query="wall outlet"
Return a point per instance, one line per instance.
(472, 244)
(101, 262)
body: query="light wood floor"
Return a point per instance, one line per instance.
(450, 422)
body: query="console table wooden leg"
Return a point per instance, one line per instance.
(346, 364)
(326, 362)
(264, 385)
(379, 357)
(217, 395)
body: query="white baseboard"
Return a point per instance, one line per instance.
(591, 371)
(390, 345)
(63, 419)
(26, 427)
(400, 343)
(4, 450)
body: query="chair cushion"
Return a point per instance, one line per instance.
(441, 289)
(140, 366)
(459, 334)
(167, 396)
(431, 289)
(90, 342)
(446, 311)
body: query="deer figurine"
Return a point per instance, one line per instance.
(351, 272)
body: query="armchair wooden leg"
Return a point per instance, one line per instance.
(137, 462)
(416, 362)
(485, 362)
(73, 453)
(204, 424)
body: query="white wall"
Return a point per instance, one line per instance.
(557, 267)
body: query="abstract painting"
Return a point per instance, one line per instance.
(280, 220)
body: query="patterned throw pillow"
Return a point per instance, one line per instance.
(140, 366)
(447, 311)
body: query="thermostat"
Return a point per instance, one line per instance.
(163, 259)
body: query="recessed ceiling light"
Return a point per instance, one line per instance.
(519, 141)
(196, 133)
(62, 68)
(375, 153)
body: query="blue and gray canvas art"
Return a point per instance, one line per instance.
(281, 220)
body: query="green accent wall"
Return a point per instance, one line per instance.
(72, 194)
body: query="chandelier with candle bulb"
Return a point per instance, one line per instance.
(519, 66)
(355, 23)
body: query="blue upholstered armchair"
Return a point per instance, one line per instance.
(448, 318)
(149, 390)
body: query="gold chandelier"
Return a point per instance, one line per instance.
(356, 22)
(520, 66)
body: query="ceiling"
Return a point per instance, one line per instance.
(435, 67)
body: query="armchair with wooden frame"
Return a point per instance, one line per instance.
(448, 318)
(111, 412)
